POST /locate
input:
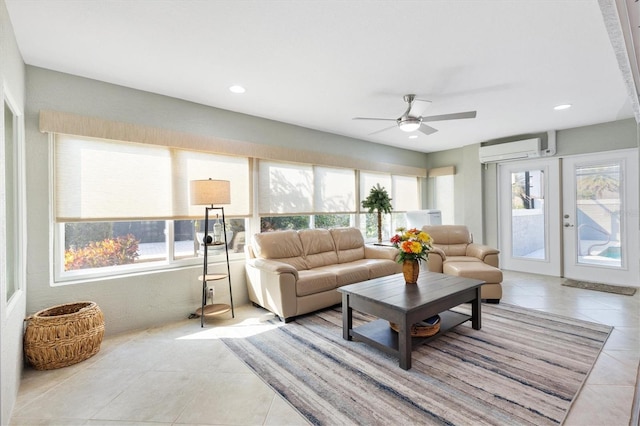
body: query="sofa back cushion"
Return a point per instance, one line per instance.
(318, 247)
(283, 246)
(349, 244)
(452, 239)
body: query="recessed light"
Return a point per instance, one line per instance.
(237, 89)
(561, 107)
(413, 137)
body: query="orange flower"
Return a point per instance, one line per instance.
(412, 244)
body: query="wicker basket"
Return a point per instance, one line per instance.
(421, 329)
(63, 335)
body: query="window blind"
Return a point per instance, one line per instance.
(287, 188)
(105, 180)
(406, 194)
(403, 190)
(334, 190)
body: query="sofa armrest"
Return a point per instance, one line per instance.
(273, 266)
(380, 252)
(436, 259)
(487, 254)
(272, 284)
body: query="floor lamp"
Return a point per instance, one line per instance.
(209, 193)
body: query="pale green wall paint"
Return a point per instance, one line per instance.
(467, 186)
(63, 92)
(596, 138)
(12, 75)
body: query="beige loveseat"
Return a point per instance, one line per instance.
(455, 253)
(291, 273)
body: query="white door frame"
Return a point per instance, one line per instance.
(551, 264)
(628, 273)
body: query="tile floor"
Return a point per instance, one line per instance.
(181, 374)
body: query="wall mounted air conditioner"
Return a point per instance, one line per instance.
(528, 148)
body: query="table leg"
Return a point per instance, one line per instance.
(404, 344)
(476, 308)
(347, 317)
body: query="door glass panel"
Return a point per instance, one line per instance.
(527, 214)
(598, 207)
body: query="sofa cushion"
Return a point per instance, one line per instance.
(379, 267)
(475, 270)
(347, 273)
(453, 249)
(349, 244)
(284, 246)
(462, 259)
(315, 281)
(452, 239)
(318, 247)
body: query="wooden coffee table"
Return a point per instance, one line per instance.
(391, 300)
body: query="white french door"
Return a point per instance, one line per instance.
(529, 206)
(600, 217)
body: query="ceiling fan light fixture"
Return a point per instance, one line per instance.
(409, 125)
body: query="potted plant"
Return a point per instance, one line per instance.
(379, 201)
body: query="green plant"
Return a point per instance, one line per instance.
(378, 201)
(108, 252)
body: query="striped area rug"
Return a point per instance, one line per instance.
(524, 367)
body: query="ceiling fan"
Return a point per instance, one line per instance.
(411, 120)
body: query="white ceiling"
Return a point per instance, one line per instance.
(320, 63)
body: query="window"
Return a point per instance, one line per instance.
(286, 188)
(443, 192)
(444, 199)
(405, 195)
(123, 207)
(298, 196)
(11, 203)
(325, 221)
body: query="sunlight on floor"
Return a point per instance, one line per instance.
(245, 328)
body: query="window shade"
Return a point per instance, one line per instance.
(102, 180)
(191, 165)
(369, 180)
(406, 194)
(403, 190)
(286, 188)
(334, 190)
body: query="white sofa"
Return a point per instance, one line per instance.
(291, 273)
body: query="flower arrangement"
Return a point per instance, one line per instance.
(413, 244)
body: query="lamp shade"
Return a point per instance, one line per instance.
(210, 192)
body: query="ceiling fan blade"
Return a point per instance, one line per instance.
(418, 107)
(371, 118)
(383, 130)
(454, 116)
(427, 130)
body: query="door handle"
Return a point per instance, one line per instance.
(568, 225)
